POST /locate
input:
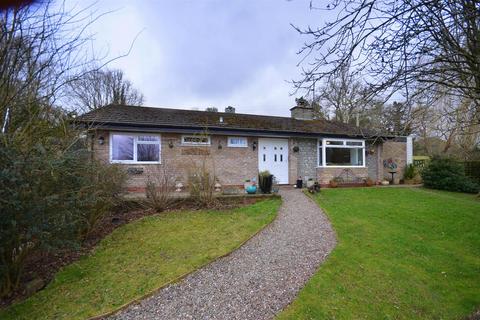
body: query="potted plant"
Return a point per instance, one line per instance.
(265, 181)
(409, 174)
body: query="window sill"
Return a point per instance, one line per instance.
(326, 167)
(134, 162)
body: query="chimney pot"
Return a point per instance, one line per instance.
(303, 110)
(229, 109)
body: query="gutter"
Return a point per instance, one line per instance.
(225, 131)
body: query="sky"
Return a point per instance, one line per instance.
(193, 54)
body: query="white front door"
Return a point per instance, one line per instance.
(273, 156)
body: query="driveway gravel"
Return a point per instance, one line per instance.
(256, 281)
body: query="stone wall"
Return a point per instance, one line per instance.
(397, 151)
(232, 166)
(307, 158)
(373, 161)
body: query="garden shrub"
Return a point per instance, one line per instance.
(265, 181)
(49, 198)
(201, 183)
(410, 172)
(159, 189)
(447, 174)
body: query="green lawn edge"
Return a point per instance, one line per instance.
(141, 257)
(402, 253)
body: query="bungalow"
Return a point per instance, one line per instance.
(145, 140)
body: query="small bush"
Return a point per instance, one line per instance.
(201, 183)
(410, 172)
(447, 174)
(159, 190)
(265, 181)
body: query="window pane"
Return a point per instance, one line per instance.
(344, 156)
(334, 143)
(357, 156)
(354, 143)
(320, 157)
(122, 147)
(148, 152)
(148, 138)
(237, 141)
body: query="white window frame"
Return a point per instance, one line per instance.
(323, 148)
(135, 143)
(245, 145)
(195, 143)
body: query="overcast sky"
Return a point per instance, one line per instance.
(199, 53)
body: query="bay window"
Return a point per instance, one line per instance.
(341, 153)
(134, 148)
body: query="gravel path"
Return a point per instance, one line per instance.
(256, 281)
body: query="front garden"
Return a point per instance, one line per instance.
(140, 257)
(402, 253)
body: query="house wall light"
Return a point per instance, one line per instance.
(170, 144)
(101, 140)
(254, 145)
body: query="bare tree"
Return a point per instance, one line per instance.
(342, 96)
(398, 46)
(98, 88)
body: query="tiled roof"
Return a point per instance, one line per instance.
(163, 117)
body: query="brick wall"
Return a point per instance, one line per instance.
(324, 175)
(232, 166)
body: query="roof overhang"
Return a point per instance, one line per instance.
(227, 131)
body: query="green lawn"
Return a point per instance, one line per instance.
(140, 257)
(402, 253)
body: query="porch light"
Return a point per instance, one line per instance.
(170, 144)
(254, 145)
(101, 140)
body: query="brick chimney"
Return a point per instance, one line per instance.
(303, 110)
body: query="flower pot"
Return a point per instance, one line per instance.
(251, 189)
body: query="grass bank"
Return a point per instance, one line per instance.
(140, 257)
